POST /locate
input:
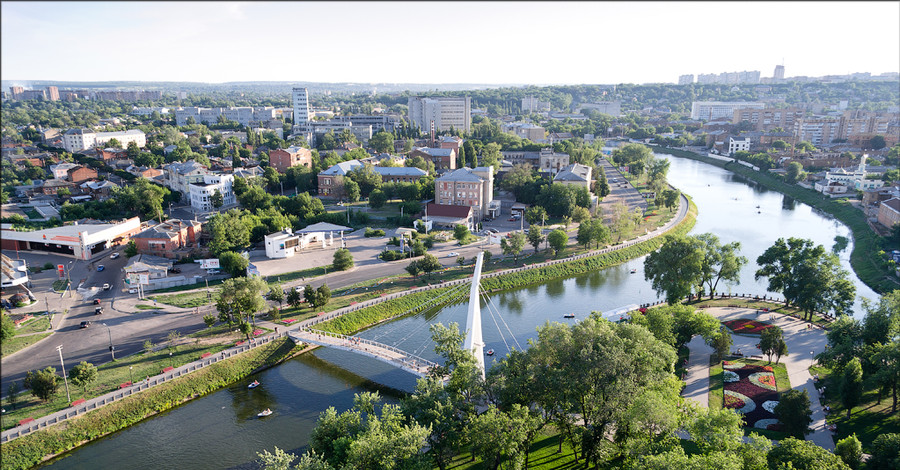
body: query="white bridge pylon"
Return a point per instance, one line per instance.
(474, 341)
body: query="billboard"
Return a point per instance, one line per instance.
(252, 270)
(144, 279)
(211, 263)
(61, 270)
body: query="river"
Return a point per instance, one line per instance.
(221, 430)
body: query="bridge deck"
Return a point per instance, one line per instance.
(391, 355)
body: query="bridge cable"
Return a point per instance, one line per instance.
(452, 293)
(494, 317)
(491, 302)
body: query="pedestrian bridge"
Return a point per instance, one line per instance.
(389, 354)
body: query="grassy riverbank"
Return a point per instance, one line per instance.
(354, 321)
(866, 243)
(31, 449)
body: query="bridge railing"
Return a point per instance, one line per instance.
(355, 340)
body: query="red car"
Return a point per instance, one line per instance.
(96, 301)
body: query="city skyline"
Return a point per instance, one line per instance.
(489, 43)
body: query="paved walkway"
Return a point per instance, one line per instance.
(803, 345)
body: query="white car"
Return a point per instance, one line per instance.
(452, 254)
(106, 286)
(212, 272)
(133, 290)
(114, 256)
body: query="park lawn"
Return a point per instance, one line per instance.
(717, 386)
(275, 279)
(188, 299)
(196, 285)
(146, 307)
(16, 343)
(110, 376)
(39, 323)
(868, 420)
(543, 455)
(60, 285)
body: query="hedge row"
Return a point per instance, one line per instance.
(866, 243)
(353, 322)
(30, 449)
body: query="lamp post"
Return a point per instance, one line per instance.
(131, 373)
(112, 349)
(66, 380)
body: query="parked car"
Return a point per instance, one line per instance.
(98, 311)
(452, 254)
(115, 255)
(133, 290)
(100, 268)
(212, 272)
(175, 270)
(85, 324)
(106, 286)
(493, 230)
(96, 301)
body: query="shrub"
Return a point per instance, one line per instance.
(371, 233)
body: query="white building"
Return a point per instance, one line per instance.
(244, 115)
(202, 191)
(300, 100)
(738, 145)
(61, 171)
(76, 140)
(14, 272)
(282, 244)
(709, 110)
(81, 241)
(444, 111)
(180, 175)
(849, 179)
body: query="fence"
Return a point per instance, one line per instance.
(411, 360)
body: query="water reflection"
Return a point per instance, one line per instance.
(788, 203)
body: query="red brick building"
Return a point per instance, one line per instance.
(282, 159)
(81, 173)
(170, 239)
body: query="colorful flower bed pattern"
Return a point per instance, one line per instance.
(744, 325)
(752, 391)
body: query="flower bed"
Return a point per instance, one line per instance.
(751, 390)
(744, 325)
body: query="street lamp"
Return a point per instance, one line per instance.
(131, 373)
(112, 349)
(66, 380)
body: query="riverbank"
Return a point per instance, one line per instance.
(866, 243)
(31, 449)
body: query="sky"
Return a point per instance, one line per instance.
(537, 43)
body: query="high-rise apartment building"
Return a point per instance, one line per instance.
(768, 119)
(709, 110)
(15, 92)
(779, 72)
(445, 112)
(686, 79)
(52, 93)
(300, 99)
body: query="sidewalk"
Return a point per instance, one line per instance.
(803, 345)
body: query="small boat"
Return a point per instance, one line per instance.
(633, 270)
(490, 352)
(253, 384)
(569, 315)
(264, 413)
(757, 207)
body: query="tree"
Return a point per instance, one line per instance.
(535, 237)
(771, 340)
(294, 297)
(351, 190)
(461, 233)
(343, 260)
(114, 143)
(217, 199)
(228, 232)
(798, 454)
(849, 449)
(497, 436)
(209, 320)
(366, 177)
(83, 375)
(413, 268)
(720, 262)
(807, 276)
(794, 173)
(557, 239)
(580, 214)
(851, 385)
(513, 244)
(317, 298)
(377, 198)
(877, 142)
(241, 297)
(429, 263)
(794, 413)
(885, 452)
(382, 142)
(535, 215)
(43, 383)
(233, 263)
(7, 327)
(675, 268)
(601, 187)
(721, 344)
(276, 294)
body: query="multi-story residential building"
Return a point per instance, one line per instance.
(124, 95)
(738, 145)
(300, 100)
(81, 173)
(52, 93)
(858, 127)
(612, 108)
(450, 142)
(443, 159)
(779, 73)
(467, 187)
(889, 212)
(180, 175)
(387, 122)
(331, 181)
(709, 110)
(817, 130)
(203, 190)
(168, 239)
(686, 79)
(445, 112)
(525, 130)
(147, 111)
(575, 174)
(61, 171)
(244, 115)
(15, 92)
(530, 104)
(282, 159)
(768, 119)
(76, 140)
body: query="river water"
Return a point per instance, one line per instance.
(221, 430)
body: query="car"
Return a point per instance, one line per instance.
(98, 311)
(212, 272)
(133, 290)
(452, 254)
(175, 270)
(100, 268)
(106, 286)
(493, 230)
(85, 324)
(96, 301)
(513, 219)
(114, 256)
